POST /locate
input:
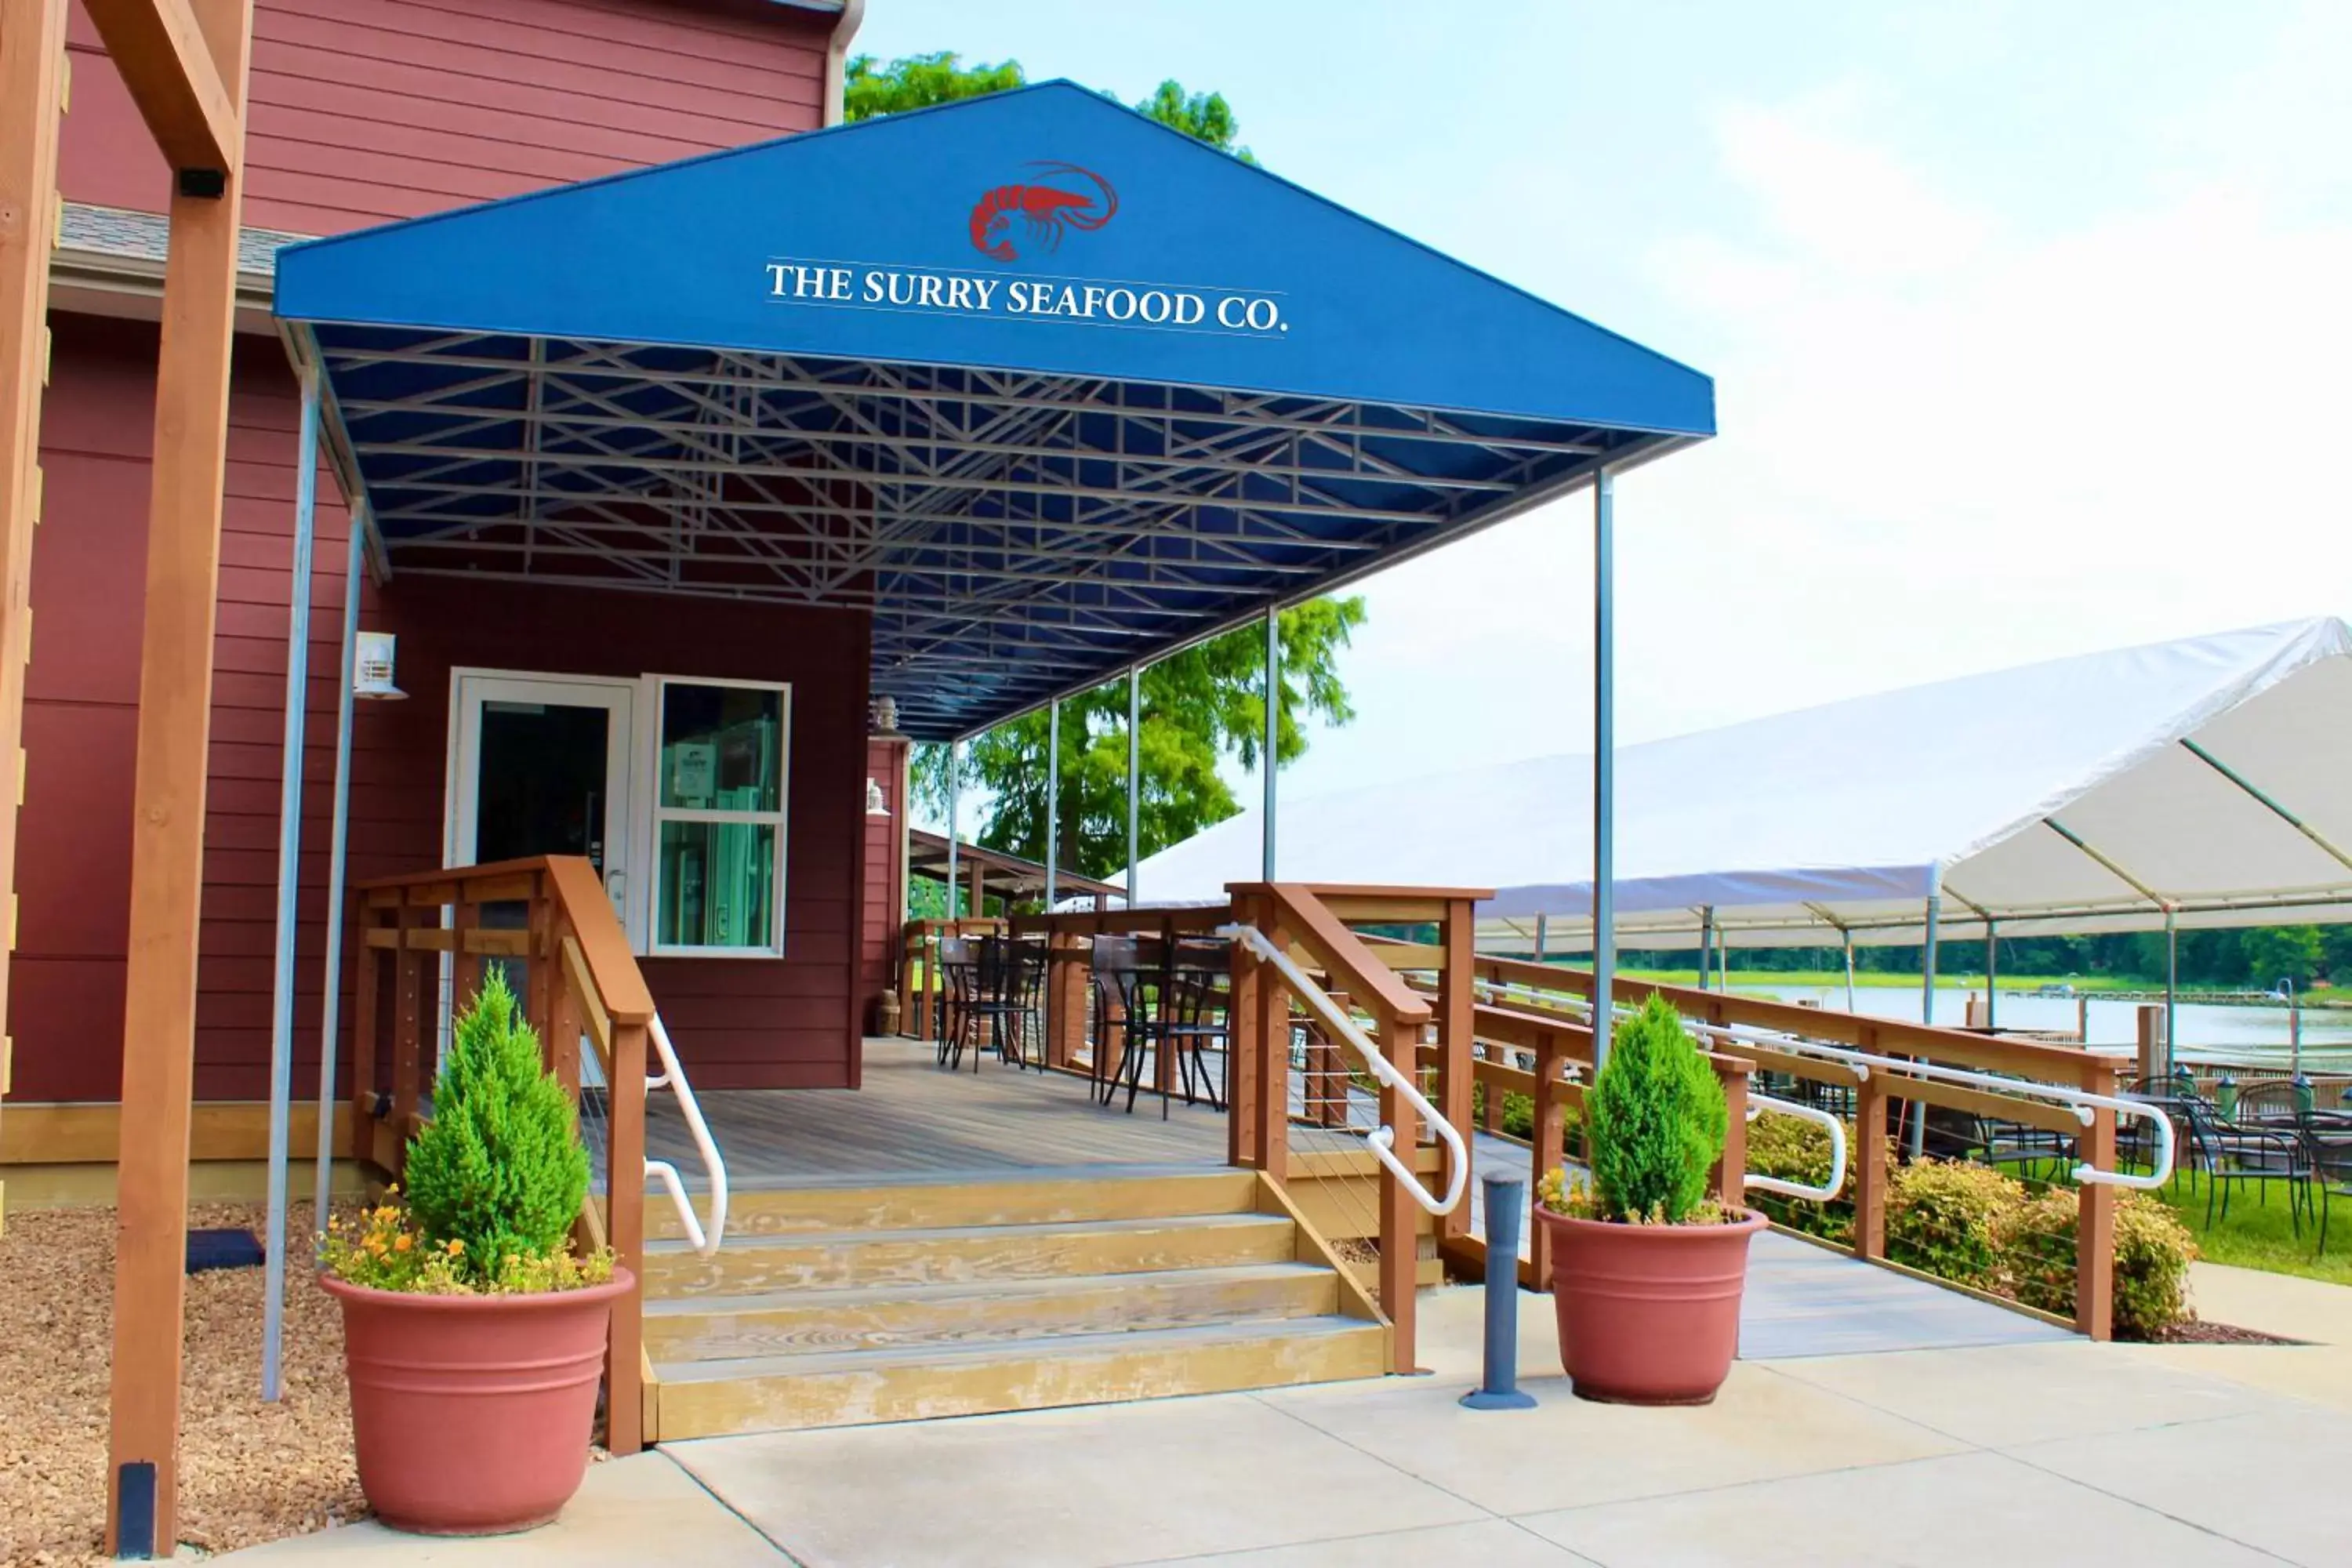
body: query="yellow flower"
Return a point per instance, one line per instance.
(456, 1247)
(401, 1244)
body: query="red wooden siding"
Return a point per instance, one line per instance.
(885, 882)
(737, 1023)
(370, 110)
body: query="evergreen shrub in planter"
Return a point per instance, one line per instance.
(474, 1335)
(1647, 1269)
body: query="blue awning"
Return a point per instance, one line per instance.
(1049, 388)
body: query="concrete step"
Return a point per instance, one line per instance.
(890, 1317)
(941, 1202)
(711, 1398)
(967, 1254)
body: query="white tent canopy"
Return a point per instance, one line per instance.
(2213, 775)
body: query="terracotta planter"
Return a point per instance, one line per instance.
(1649, 1314)
(472, 1414)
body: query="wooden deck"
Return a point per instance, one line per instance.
(913, 1118)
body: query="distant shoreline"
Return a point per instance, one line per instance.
(2096, 988)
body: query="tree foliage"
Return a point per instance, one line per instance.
(872, 87)
(1200, 706)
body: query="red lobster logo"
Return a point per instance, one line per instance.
(1050, 210)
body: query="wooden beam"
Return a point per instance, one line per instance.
(218, 1129)
(167, 819)
(32, 90)
(167, 58)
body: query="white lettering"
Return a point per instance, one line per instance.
(874, 287)
(1065, 303)
(775, 278)
(1190, 308)
(985, 286)
(1228, 311)
(1155, 305)
(930, 293)
(959, 293)
(1094, 299)
(1114, 308)
(1264, 323)
(909, 297)
(1016, 298)
(808, 281)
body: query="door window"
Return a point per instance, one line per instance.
(718, 817)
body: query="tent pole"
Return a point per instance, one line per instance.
(1543, 932)
(1272, 726)
(1992, 970)
(338, 837)
(955, 889)
(289, 887)
(2171, 988)
(1604, 768)
(1917, 1115)
(1706, 942)
(1134, 774)
(1053, 801)
(1849, 968)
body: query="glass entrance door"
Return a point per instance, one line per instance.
(541, 767)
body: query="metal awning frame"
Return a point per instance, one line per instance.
(1016, 536)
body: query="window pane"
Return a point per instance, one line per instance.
(722, 747)
(718, 884)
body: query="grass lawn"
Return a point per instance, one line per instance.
(2258, 1235)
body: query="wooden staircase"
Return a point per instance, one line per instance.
(837, 1306)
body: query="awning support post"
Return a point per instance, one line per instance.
(1604, 767)
(331, 1020)
(1543, 934)
(2171, 989)
(289, 880)
(955, 834)
(1992, 972)
(1134, 775)
(1848, 933)
(1053, 801)
(1272, 726)
(1706, 942)
(1917, 1113)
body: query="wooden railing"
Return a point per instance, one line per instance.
(578, 981)
(1304, 1155)
(1556, 1037)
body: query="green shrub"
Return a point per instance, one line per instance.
(499, 1169)
(1656, 1121)
(1793, 1150)
(2153, 1252)
(1951, 1219)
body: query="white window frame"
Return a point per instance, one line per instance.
(651, 814)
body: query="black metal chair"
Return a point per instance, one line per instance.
(1002, 982)
(1124, 975)
(1195, 1016)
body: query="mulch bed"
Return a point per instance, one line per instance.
(249, 1472)
(2197, 1332)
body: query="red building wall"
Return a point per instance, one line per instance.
(365, 110)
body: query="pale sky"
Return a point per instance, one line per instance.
(2028, 322)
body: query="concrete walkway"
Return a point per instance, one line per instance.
(2065, 1450)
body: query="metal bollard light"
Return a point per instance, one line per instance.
(1498, 1389)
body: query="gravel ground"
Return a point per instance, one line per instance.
(249, 1472)
(2197, 1331)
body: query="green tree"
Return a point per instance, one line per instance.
(2335, 952)
(2282, 953)
(873, 86)
(1200, 706)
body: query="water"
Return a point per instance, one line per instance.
(2256, 1035)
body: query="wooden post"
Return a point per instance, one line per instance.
(1550, 1137)
(1243, 1051)
(2095, 1227)
(167, 816)
(1731, 1171)
(1070, 988)
(32, 93)
(565, 1024)
(1400, 1236)
(624, 1425)
(1271, 1134)
(466, 966)
(1868, 1158)
(367, 982)
(1457, 1001)
(408, 975)
(2150, 1019)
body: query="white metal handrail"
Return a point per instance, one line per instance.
(672, 1076)
(1381, 1140)
(2082, 1101)
(1758, 1103)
